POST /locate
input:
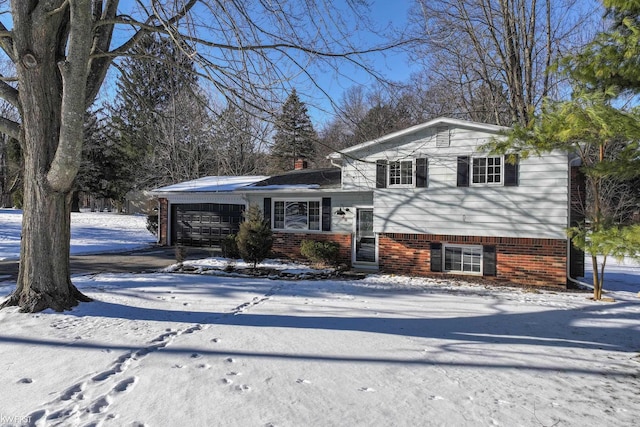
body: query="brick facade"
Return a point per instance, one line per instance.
(539, 262)
(286, 244)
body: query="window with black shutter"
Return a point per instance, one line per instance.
(511, 170)
(326, 214)
(463, 171)
(436, 257)
(267, 210)
(422, 173)
(489, 267)
(381, 174)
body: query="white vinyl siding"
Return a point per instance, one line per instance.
(536, 208)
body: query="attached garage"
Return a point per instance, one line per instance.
(204, 224)
(201, 212)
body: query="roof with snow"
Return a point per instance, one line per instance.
(211, 184)
(303, 178)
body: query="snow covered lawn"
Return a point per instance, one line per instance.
(168, 349)
(91, 232)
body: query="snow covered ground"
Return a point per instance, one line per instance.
(91, 232)
(168, 349)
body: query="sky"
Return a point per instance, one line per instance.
(392, 65)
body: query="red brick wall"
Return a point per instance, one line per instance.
(288, 244)
(163, 221)
(540, 262)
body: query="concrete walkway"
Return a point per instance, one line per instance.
(139, 261)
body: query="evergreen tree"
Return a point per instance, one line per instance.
(105, 170)
(255, 237)
(295, 137)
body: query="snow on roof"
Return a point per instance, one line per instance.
(213, 184)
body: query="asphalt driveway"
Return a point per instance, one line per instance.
(138, 261)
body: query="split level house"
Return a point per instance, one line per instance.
(423, 201)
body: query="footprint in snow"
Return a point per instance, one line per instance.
(103, 375)
(226, 381)
(72, 391)
(366, 389)
(195, 355)
(125, 384)
(233, 373)
(216, 340)
(229, 360)
(100, 405)
(436, 398)
(25, 380)
(303, 381)
(243, 388)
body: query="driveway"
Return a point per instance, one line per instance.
(138, 261)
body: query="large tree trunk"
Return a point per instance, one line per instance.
(52, 62)
(44, 279)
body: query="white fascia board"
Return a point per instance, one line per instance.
(432, 123)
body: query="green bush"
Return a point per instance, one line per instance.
(229, 247)
(320, 252)
(255, 237)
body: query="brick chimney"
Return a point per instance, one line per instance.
(300, 164)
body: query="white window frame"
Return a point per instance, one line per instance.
(284, 202)
(466, 251)
(411, 175)
(486, 174)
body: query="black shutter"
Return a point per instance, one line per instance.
(463, 171)
(436, 257)
(326, 214)
(422, 169)
(381, 174)
(511, 171)
(489, 261)
(267, 210)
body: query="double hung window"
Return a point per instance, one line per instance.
(401, 172)
(487, 170)
(463, 259)
(296, 215)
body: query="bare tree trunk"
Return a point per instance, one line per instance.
(52, 116)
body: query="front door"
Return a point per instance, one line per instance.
(364, 242)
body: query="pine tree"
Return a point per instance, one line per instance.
(295, 136)
(105, 169)
(255, 237)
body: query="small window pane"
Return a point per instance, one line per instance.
(295, 216)
(314, 215)
(278, 215)
(453, 259)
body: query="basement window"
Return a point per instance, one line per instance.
(463, 259)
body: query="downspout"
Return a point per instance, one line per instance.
(573, 280)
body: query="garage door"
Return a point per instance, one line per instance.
(204, 224)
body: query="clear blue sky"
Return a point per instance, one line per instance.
(393, 65)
